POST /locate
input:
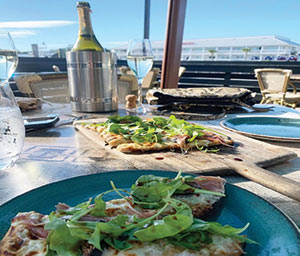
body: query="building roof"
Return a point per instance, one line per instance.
(241, 41)
(228, 42)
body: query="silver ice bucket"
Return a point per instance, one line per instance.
(92, 81)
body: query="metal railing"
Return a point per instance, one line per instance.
(198, 73)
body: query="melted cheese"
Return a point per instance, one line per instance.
(18, 241)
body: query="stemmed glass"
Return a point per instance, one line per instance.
(8, 57)
(140, 61)
(12, 131)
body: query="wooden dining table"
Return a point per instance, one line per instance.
(61, 152)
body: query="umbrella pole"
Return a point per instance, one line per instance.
(173, 43)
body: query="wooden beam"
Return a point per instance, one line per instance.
(173, 43)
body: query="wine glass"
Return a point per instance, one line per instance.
(8, 57)
(12, 130)
(140, 61)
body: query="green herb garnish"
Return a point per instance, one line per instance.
(67, 232)
(159, 130)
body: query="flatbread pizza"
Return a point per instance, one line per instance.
(130, 134)
(158, 216)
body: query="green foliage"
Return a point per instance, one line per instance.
(67, 231)
(156, 130)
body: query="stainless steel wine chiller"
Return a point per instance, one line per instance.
(92, 81)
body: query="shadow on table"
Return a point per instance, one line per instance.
(52, 132)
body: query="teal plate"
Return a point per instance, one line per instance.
(275, 232)
(266, 128)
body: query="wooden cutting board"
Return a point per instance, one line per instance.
(248, 159)
(247, 150)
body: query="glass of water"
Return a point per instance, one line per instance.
(12, 131)
(140, 61)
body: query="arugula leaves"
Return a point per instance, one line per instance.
(156, 130)
(200, 232)
(149, 190)
(68, 232)
(60, 238)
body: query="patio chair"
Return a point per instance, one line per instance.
(127, 84)
(181, 71)
(23, 82)
(52, 90)
(273, 84)
(150, 80)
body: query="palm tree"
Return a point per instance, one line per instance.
(294, 53)
(246, 50)
(212, 52)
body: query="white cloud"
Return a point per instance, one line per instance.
(36, 24)
(22, 33)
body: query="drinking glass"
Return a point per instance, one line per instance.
(140, 61)
(12, 131)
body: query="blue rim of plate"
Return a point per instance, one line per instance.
(233, 214)
(229, 126)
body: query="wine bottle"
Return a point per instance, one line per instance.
(86, 38)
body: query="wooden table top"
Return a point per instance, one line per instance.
(61, 152)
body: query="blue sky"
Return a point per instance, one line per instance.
(54, 22)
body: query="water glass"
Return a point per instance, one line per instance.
(12, 130)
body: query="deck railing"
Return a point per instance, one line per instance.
(198, 73)
(226, 73)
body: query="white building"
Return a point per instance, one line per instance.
(235, 48)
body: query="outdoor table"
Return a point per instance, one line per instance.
(60, 153)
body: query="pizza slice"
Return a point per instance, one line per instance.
(23, 240)
(26, 236)
(130, 134)
(155, 218)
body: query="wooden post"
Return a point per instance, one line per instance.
(147, 19)
(173, 44)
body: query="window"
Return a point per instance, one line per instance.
(224, 57)
(270, 48)
(196, 57)
(255, 48)
(238, 57)
(185, 57)
(197, 49)
(186, 49)
(223, 49)
(237, 48)
(210, 48)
